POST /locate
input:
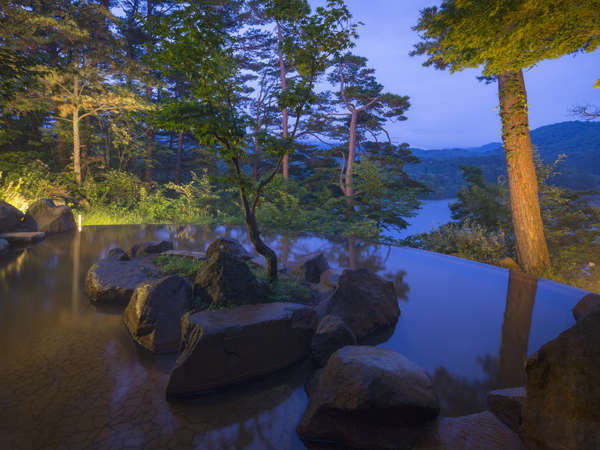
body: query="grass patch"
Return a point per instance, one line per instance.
(177, 265)
(285, 289)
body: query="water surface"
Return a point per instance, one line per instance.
(70, 374)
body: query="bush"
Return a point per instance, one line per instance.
(23, 187)
(467, 240)
(115, 188)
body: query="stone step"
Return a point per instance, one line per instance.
(23, 237)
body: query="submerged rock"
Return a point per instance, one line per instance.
(589, 303)
(562, 407)
(369, 397)
(331, 335)
(50, 218)
(228, 245)
(23, 237)
(311, 267)
(507, 405)
(364, 301)
(116, 254)
(475, 431)
(224, 347)
(225, 280)
(153, 315)
(10, 217)
(149, 248)
(113, 282)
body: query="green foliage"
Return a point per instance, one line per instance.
(285, 288)
(481, 202)
(115, 188)
(196, 199)
(505, 35)
(177, 265)
(468, 240)
(22, 186)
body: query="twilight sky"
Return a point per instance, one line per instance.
(457, 110)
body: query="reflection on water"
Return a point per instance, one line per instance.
(70, 373)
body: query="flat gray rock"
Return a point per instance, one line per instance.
(23, 237)
(113, 282)
(223, 347)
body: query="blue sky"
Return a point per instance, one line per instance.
(457, 110)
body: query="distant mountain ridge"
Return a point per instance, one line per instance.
(580, 170)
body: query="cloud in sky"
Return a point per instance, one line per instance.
(457, 110)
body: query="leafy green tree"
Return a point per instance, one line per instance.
(506, 37)
(481, 202)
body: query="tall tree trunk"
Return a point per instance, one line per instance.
(520, 300)
(254, 235)
(149, 131)
(107, 147)
(76, 145)
(348, 186)
(284, 112)
(532, 250)
(178, 158)
(352, 259)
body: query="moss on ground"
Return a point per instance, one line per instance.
(177, 265)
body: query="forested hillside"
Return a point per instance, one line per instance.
(579, 170)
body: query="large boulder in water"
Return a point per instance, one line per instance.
(113, 282)
(331, 335)
(223, 347)
(153, 315)
(365, 301)
(589, 303)
(562, 406)
(10, 217)
(369, 397)
(50, 218)
(150, 248)
(311, 267)
(228, 245)
(224, 280)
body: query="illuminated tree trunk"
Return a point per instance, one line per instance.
(76, 144)
(178, 158)
(532, 250)
(348, 187)
(254, 235)
(284, 112)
